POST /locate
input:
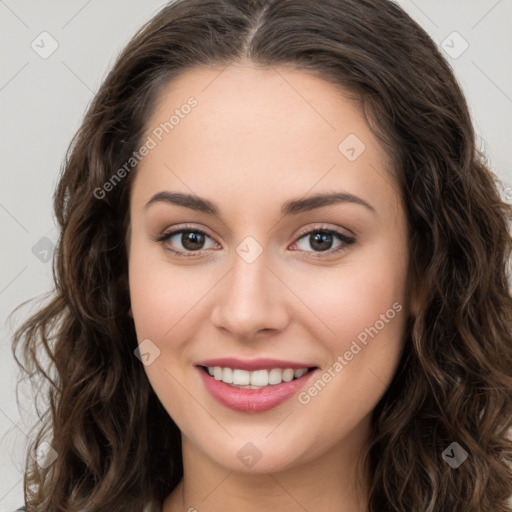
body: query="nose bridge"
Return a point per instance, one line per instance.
(249, 299)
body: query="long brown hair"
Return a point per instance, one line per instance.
(117, 447)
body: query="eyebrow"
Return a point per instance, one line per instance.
(291, 207)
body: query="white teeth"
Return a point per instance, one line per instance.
(256, 379)
(241, 377)
(300, 373)
(259, 378)
(288, 375)
(275, 376)
(227, 375)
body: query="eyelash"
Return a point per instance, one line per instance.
(345, 240)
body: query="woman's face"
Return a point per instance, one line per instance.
(269, 275)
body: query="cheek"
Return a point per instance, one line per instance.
(352, 297)
(161, 294)
(161, 297)
(365, 307)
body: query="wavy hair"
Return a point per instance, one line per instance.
(118, 449)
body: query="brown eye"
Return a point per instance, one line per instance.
(322, 240)
(191, 241)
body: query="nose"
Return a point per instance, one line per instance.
(250, 300)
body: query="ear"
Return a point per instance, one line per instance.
(130, 312)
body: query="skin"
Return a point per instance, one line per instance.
(257, 138)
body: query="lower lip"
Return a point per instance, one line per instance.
(252, 400)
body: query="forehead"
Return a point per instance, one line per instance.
(262, 101)
(274, 128)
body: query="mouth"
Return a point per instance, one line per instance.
(257, 379)
(253, 386)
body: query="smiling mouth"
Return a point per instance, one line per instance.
(256, 379)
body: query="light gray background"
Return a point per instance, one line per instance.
(42, 102)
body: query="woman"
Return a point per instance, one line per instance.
(282, 280)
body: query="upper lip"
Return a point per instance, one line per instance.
(253, 364)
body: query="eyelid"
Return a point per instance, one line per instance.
(346, 240)
(180, 229)
(322, 227)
